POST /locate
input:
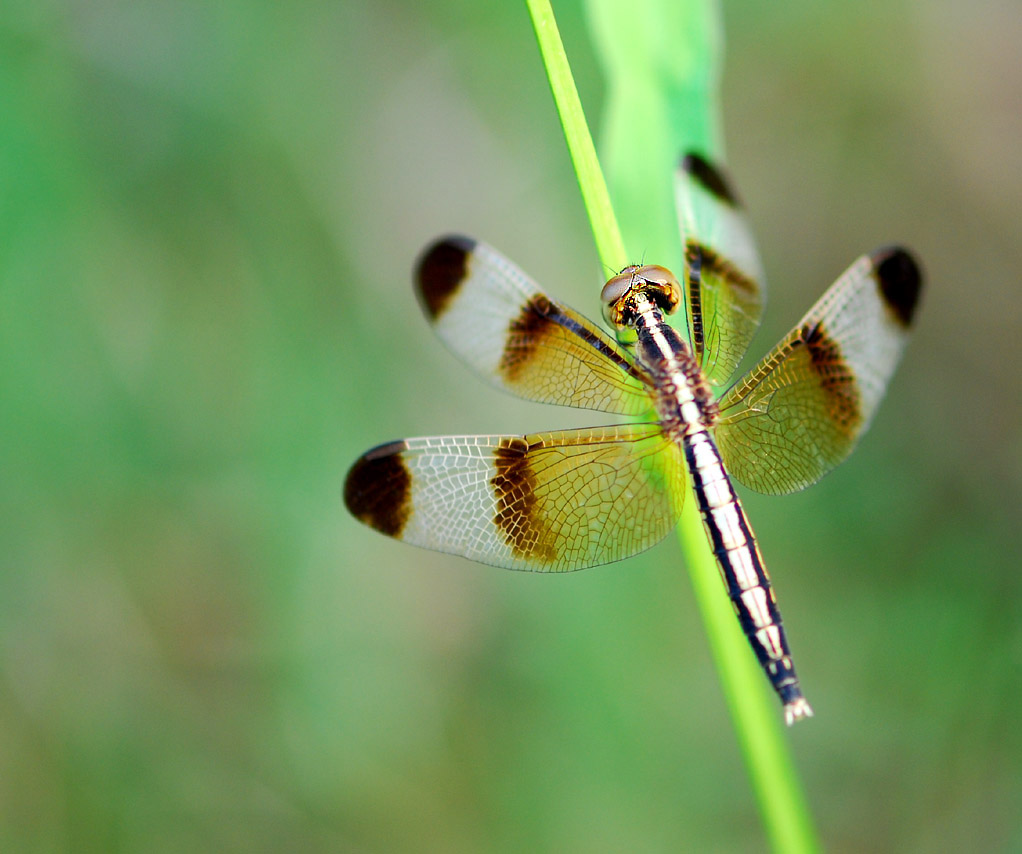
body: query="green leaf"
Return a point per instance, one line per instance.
(661, 62)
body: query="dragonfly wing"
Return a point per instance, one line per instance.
(493, 316)
(799, 413)
(724, 282)
(548, 502)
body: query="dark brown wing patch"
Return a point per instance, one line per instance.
(377, 490)
(836, 378)
(440, 272)
(705, 265)
(519, 517)
(709, 177)
(694, 256)
(525, 335)
(710, 263)
(542, 357)
(900, 281)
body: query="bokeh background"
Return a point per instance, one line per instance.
(208, 216)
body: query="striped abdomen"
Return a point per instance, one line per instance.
(741, 566)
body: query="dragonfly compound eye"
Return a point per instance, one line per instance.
(661, 285)
(618, 286)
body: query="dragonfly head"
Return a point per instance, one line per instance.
(632, 290)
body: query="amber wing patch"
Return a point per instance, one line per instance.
(520, 518)
(525, 337)
(836, 378)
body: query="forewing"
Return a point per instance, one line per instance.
(548, 502)
(724, 282)
(799, 413)
(488, 312)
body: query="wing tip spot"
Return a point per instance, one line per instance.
(900, 280)
(377, 490)
(441, 270)
(709, 177)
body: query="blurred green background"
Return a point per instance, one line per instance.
(208, 216)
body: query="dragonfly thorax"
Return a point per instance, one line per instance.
(684, 401)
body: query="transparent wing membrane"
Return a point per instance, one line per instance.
(801, 410)
(547, 502)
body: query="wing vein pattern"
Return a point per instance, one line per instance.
(547, 502)
(497, 320)
(802, 409)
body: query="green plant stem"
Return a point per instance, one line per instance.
(609, 245)
(754, 710)
(661, 60)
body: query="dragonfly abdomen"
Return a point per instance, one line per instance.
(741, 567)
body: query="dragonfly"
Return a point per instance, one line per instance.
(571, 499)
